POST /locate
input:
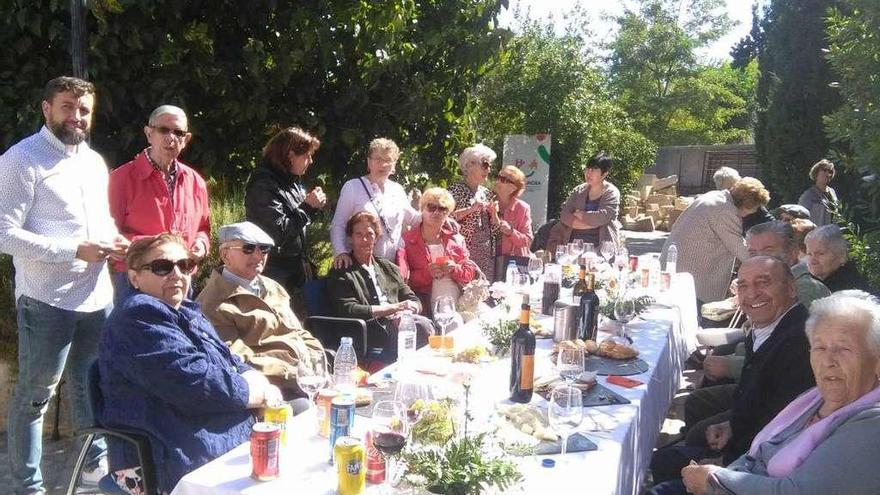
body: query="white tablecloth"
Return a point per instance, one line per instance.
(664, 337)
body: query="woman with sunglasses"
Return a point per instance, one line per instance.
(433, 252)
(278, 202)
(476, 205)
(820, 199)
(251, 312)
(590, 212)
(165, 372)
(513, 215)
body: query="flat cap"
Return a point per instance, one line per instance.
(246, 232)
(797, 211)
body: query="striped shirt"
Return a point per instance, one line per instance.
(52, 197)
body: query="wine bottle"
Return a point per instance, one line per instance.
(522, 359)
(580, 287)
(588, 311)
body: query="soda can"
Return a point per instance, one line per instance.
(646, 278)
(350, 459)
(279, 415)
(665, 280)
(325, 397)
(341, 419)
(633, 262)
(265, 451)
(375, 462)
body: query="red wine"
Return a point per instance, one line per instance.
(522, 359)
(588, 311)
(389, 443)
(550, 295)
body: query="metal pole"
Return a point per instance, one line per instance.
(79, 38)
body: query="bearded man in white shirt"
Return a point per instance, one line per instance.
(55, 222)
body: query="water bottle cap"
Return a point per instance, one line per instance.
(345, 340)
(548, 463)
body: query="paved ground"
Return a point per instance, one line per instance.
(59, 455)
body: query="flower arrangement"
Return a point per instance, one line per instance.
(472, 294)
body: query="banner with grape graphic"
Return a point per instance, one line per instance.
(531, 153)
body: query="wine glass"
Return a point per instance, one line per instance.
(410, 390)
(444, 317)
(607, 250)
(521, 285)
(389, 428)
(570, 364)
(624, 311)
(536, 268)
(575, 249)
(565, 411)
(561, 254)
(311, 375)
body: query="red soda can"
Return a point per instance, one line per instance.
(375, 462)
(633, 262)
(645, 278)
(665, 280)
(265, 451)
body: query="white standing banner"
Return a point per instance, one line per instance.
(531, 154)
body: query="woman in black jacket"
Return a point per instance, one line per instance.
(278, 203)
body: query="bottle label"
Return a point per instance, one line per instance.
(527, 375)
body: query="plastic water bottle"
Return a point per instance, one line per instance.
(345, 367)
(510, 273)
(671, 257)
(406, 340)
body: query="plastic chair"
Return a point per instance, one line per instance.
(329, 329)
(135, 437)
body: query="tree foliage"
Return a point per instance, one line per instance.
(671, 97)
(793, 95)
(854, 128)
(546, 83)
(349, 70)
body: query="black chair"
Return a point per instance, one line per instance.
(521, 262)
(135, 437)
(329, 329)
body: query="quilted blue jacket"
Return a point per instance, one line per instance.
(166, 372)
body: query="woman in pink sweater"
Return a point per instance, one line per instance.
(511, 214)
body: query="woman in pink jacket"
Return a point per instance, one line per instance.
(433, 250)
(512, 215)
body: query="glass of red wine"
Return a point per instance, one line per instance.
(389, 428)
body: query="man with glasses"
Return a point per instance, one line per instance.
(56, 224)
(252, 313)
(156, 192)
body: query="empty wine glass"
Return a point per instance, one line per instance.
(570, 364)
(624, 311)
(408, 391)
(521, 285)
(561, 254)
(536, 268)
(312, 375)
(389, 428)
(607, 250)
(575, 249)
(565, 412)
(444, 317)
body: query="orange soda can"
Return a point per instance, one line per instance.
(324, 399)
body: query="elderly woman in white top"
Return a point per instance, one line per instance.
(378, 194)
(724, 178)
(820, 198)
(476, 206)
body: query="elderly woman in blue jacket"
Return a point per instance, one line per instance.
(164, 371)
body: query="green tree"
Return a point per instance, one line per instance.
(658, 80)
(546, 83)
(793, 95)
(854, 128)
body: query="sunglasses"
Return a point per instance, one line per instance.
(162, 267)
(432, 208)
(505, 180)
(250, 248)
(486, 164)
(161, 129)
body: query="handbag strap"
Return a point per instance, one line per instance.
(373, 202)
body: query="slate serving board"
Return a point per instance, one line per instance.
(607, 366)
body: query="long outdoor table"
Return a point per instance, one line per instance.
(664, 337)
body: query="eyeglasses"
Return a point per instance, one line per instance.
(506, 180)
(162, 267)
(486, 164)
(250, 248)
(432, 208)
(177, 133)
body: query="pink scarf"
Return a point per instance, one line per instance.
(792, 455)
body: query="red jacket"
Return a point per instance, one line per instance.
(414, 259)
(140, 204)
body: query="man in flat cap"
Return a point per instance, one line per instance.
(252, 313)
(789, 212)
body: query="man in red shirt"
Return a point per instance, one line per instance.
(157, 193)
